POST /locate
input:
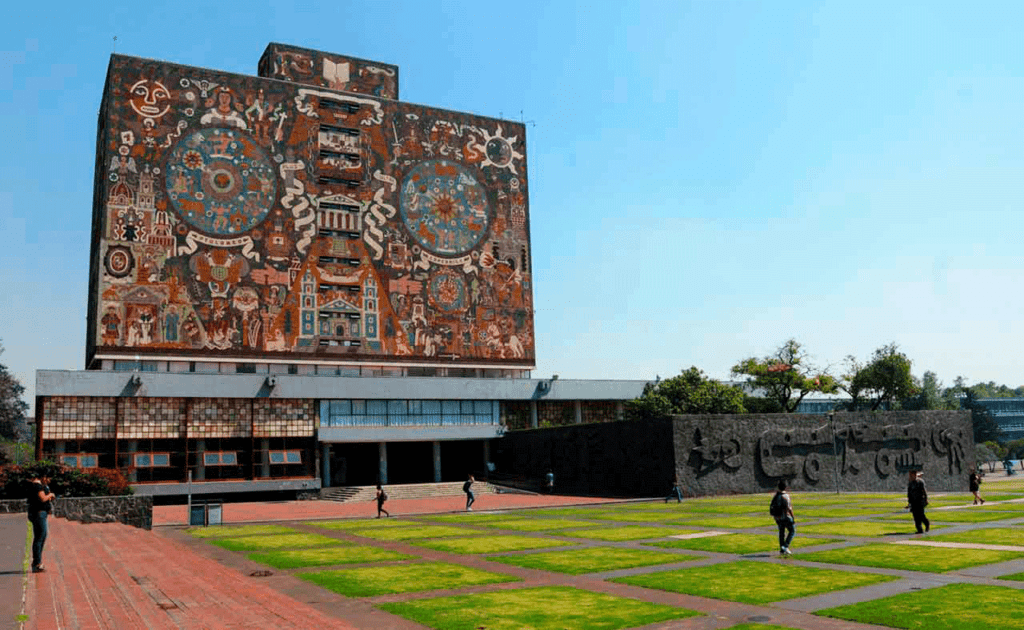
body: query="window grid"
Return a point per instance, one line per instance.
(377, 413)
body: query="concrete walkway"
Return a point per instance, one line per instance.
(13, 534)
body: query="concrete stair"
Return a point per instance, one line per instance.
(404, 491)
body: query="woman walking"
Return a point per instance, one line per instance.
(975, 486)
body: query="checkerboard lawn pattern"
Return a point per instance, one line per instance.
(592, 560)
(952, 607)
(546, 608)
(626, 532)
(753, 582)
(267, 542)
(351, 524)
(412, 533)
(867, 529)
(731, 522)
(910, 557)
(739, 543)
(325, 556)
(405, 578)
(531, 524)
(491, 544)
(972, 515)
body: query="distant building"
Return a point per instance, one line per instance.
(1008, 413)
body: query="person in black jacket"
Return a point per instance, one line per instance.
(975, 486)
(381, 497)
(917, 499)
(40, 503)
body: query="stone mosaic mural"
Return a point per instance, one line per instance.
(246, 217)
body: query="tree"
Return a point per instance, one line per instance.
(886, 378)
(786, 376)
(12, 407)
(985, 427)
(930, 395)
(985, 455)
(689, 393)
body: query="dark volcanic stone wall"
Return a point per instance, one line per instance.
(609, 459)
(856, 452)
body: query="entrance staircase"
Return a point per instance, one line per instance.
(404, 491)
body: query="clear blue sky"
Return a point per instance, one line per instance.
(707, 178)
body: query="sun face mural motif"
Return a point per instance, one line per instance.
(220, 181)
(444, 207)
(499, 151)
(150, 99)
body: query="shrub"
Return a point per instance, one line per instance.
(64, 481)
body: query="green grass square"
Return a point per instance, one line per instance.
(267, 542)
(351, 524)
(491, 544)
(618, 534)
(321, 556)
(951, 607)
(731, 522)
(867, 529)
(544, 608)
(836, 512)
(227, 531)
(985, 536)
(412, 533)
(753, 582)
(563, 511)
(592, 560)
(637, 516)
(405, 578)
(738, 543)
(532, 524)
(973, 515)
(910, 557)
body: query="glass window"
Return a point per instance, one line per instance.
(143, 459)
(229, 458)
(161, 459)
(377, 407)
(294, 457)
(467, 407)
(70, 460)
(358, 407)
(211, 459)
(339, 407)
(397, 408)
(451, 407)
(276, 457)
(88, 461)
(415, 407)
(432, 406)
(482, 406)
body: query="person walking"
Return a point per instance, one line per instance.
(549, 481)
(468, 489)
(675, 490)
(975, 486)
(40, 503)
(381, 497)
(781, 508)
(917, 499)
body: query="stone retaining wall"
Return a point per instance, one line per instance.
(130, 510)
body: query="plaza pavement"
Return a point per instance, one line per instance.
(114, 576)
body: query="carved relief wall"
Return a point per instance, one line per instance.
(244, 217)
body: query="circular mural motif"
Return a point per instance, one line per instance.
(220, 181)
(444, 207)
(119, 261)
(448, 291)
(499, 151)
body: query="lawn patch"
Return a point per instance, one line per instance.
(405, 578)
(592, 560)
(491, 544)
(738, 543)
(951, 607)
(553, 607)
(532, 524)
(753, 582)
(858, 528)
(364, 523)
(220, 531)
(973, 515)
(414, 532)
(275, 541)
(732, 522)
(985, 536)
(626, 532)
(321, 556)
(838, 512)
(637, 516)
(910, 557)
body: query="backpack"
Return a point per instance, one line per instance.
(383, 496)
(465, 486)
(777, 507)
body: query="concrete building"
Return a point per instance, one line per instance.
(298, 280)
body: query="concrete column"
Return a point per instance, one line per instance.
(200, 462)
(619, 409)
(533, 414)
(382, 455)
(265, 466)
(578, 408)
(130, 447)
(325, 460)
(437, 461)
(487, 454)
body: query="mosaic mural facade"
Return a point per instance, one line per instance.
(304, 215)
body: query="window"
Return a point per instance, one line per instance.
(81, 460)
(245, 368)
(151, 460)
(220, 458)
(285, 457)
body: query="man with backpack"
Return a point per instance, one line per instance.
(781, 508)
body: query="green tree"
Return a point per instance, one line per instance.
(12, 406)
(985, 455)
(985, 427)
(689, 393)
(786, 376)
(886, 378)
(930, 395)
